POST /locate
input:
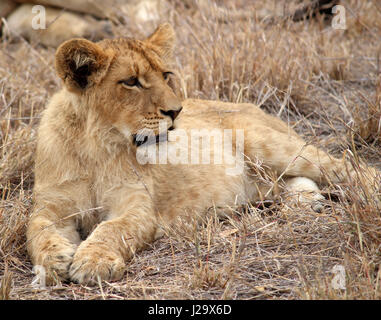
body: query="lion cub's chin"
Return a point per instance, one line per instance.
(139, 140)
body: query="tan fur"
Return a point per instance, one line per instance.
(98, 8)
(6, 7)
(95, 205)
(60, 25)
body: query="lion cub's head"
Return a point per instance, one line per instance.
(128, 82)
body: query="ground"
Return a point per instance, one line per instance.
(324, 82)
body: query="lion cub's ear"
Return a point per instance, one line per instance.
(163, 39)
(81, 63)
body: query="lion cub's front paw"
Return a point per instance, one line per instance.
(56, 259)
(94, 260)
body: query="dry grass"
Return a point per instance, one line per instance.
(322, 81)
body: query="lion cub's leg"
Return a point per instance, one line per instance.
(51, 243)
(130, 226)
(290, 156)
(69, 25)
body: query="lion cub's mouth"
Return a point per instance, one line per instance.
(139, 140)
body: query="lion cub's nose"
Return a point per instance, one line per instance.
(171, 113)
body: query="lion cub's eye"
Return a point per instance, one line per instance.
(131, 82)
(166, 75)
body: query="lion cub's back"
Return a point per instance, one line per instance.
(225, 115)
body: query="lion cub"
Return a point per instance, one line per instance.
(119, 153)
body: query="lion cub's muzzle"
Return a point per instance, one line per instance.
(143, 138)
(173, 113)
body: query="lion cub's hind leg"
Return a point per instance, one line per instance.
(305, 190)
